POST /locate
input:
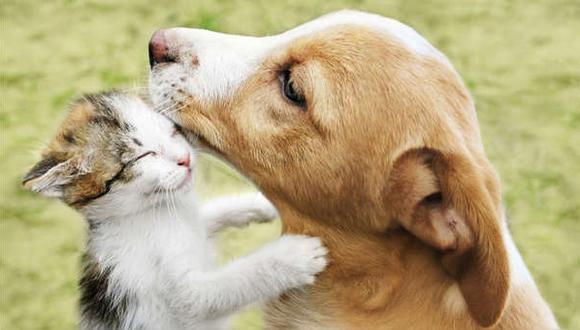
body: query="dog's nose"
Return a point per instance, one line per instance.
(159, 50)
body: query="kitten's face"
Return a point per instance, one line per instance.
(112, 153)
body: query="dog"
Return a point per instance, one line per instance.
(363, 134)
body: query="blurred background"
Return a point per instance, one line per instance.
(521, 60)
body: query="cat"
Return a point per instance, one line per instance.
(149, 261)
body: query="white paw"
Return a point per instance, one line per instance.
(264, 210)
(298, 259)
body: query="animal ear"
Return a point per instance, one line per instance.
(445, 201)
(49, 176)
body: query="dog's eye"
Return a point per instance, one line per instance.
(289, 89)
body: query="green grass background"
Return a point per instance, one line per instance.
(521, 60)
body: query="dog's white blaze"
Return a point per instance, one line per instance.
(518, 270)
(453, 300)
(225, 61)
(405, 34)
(519, 275)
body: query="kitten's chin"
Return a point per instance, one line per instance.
(186, 184)
(183, 186)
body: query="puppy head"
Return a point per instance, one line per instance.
(335, 120)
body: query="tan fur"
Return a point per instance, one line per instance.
(332, 172)
(69, 148)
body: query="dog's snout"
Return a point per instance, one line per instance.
(159, 51)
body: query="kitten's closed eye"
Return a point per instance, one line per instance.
(148, 153)
(177, 130)
(112, 132)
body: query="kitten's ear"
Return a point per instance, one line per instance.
(49, 176)
(448, 201)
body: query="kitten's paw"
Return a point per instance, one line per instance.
(299, 258)
(264, 210)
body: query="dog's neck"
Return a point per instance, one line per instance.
(348, 268)
(383, 276)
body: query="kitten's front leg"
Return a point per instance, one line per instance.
(236, 211)
(290, 262)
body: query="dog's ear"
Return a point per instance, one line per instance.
(49, 176)
(447, 201)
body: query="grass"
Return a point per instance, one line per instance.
(519, 58)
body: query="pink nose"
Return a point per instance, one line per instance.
(185, 160)
(159, 51)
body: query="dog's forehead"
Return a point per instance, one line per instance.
(387, 26)
(224, 61)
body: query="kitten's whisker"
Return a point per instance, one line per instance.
(164, 103)
(173, 208)
(166, 107)
(166, 111)
(178, 109)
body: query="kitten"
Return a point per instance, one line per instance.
(149, 258)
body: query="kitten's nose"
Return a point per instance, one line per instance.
(159, 51)
(185, 160)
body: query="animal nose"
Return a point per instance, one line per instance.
(159, 51)
(185, 160)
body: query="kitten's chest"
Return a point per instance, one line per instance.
(131, 264)
(135, 253)
(170, 249)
